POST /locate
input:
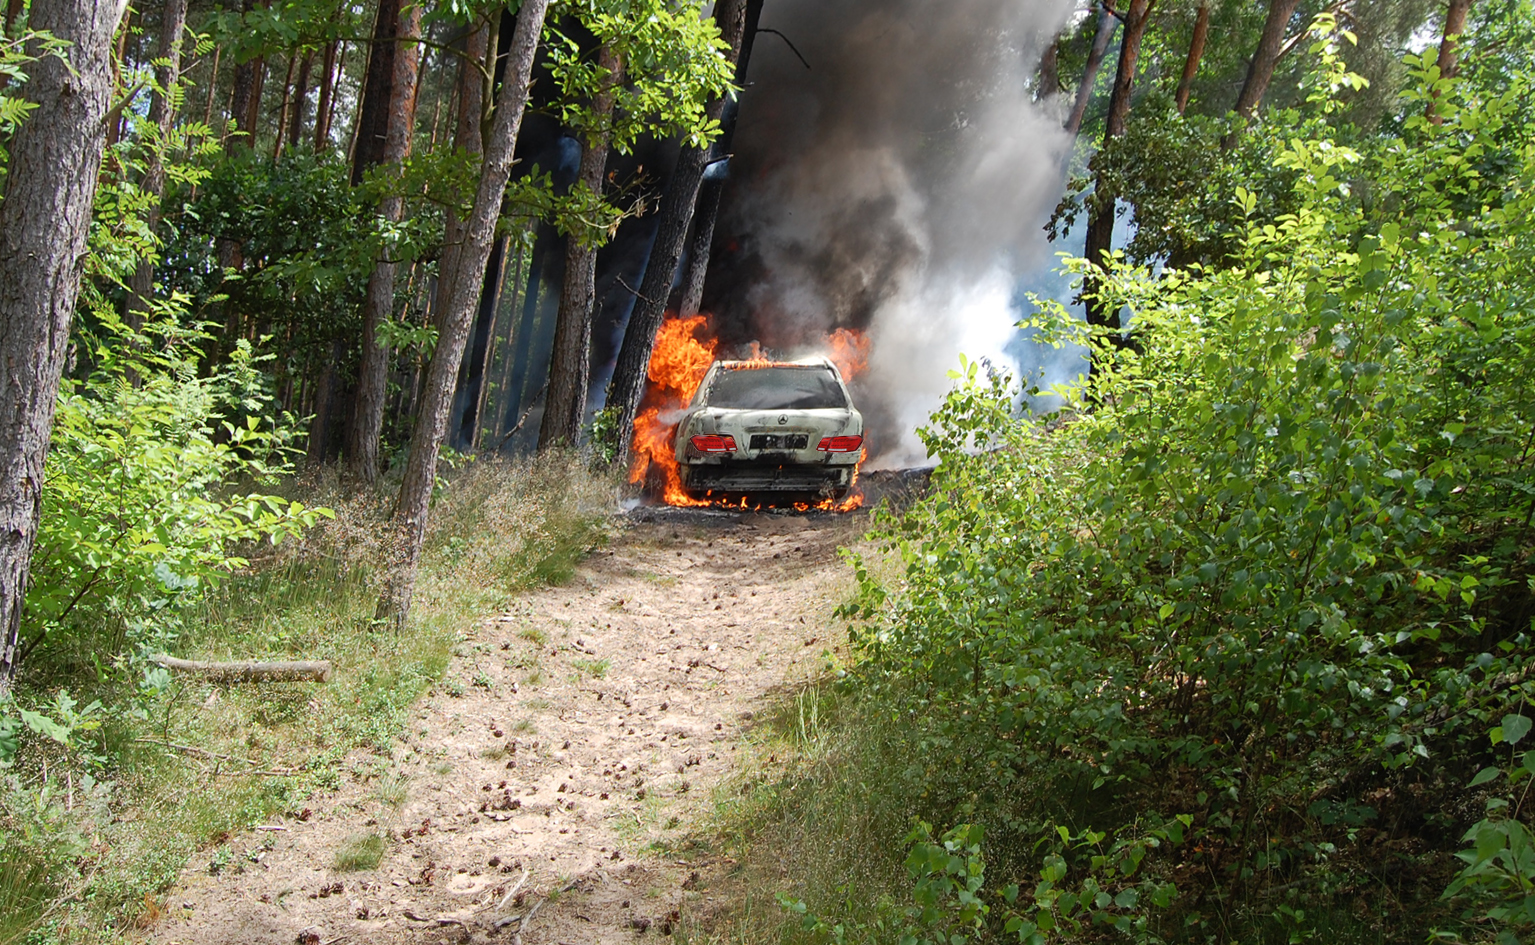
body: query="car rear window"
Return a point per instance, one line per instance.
(776, 388)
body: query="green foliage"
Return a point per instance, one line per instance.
(1277, 575)
(143, 510)
(15, 53)
(673, 64)
(1499, 878)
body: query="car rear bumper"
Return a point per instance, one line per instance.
(752, 477)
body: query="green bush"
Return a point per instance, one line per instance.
(1271, 573)
(145, 502)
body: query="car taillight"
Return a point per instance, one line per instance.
(707, 443)
(841, 444)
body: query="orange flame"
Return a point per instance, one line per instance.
(849, 351)
(678, 362)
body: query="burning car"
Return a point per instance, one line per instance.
(770, 427)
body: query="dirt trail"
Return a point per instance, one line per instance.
(589, 726)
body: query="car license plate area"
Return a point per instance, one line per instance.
(779, 441)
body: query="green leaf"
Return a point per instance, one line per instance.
(1515, 727)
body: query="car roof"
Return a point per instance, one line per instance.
(815, 361)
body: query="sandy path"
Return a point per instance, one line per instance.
(604, 713)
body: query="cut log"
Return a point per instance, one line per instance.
(251, 670)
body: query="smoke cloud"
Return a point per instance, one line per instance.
(898, 186)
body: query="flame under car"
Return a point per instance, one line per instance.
(770, 429)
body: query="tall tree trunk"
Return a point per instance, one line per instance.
(13, 10)
(213, 84)
(378, 304)
(1107, 24)
(570, 361)
(173, 21)
(1049, 72)
(410, 514)
(300, 99)
(1100, 225)
(1454, 26)
(1196, 53)
(282, 111)
(250, 76)
(55, 157)
(120, 65)
(711, 190)
(735, 20)
(378, 83)
(469, 138)
(1260, 71)
(322, 104)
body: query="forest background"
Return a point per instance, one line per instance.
(1235, 642)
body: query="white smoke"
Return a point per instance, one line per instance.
(898, 186)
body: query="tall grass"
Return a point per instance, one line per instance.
(183, 765)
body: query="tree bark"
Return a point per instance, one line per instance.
(300, 99)
(410, 516)
(173, 21)
(378, 82)
(55, 157)
(469, 138)
(322, 104)
(677, 210)
(1107, 24)
(1196, 53)
(378, 304)
(1261, 70)
(282, 111)
(1100, 225)
(250, 670)
(1454, 26)
(570, 361)
(710, 191)
(1049, 72)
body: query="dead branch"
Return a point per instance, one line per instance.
(217, 756)
(250, 670)
(506, 900)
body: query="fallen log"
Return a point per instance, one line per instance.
(250, 670)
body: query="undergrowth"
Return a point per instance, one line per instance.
(1239, 647)
(166, 765)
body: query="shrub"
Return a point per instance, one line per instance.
(1272, 573)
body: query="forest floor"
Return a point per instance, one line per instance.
(583, 740)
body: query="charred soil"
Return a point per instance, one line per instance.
(553, 785)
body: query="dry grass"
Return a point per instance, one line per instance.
(497, 528)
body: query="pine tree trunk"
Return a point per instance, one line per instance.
(468, 137)
(1454, 26)
(410, 516)
(282, 111)
(378, 82)
(300, 100)
(322, 106)
(55, 157)
(1196, 53)
(378, 304)
(1049, 72)
(1107, 24)
(1260, 71)
(710, 191)
(173, 21)
(244, 87)
(677, 211)
(1100, 225)
(570, 361)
